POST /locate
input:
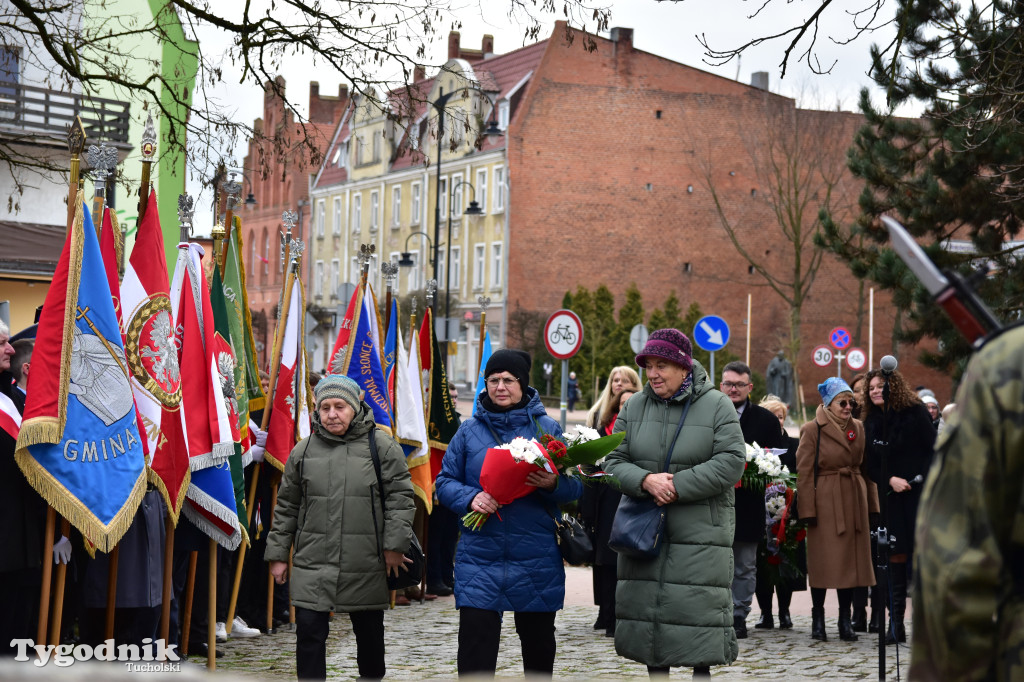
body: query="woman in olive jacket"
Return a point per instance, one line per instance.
(676, 609)
(329, 507)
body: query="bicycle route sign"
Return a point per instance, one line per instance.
(563, 334)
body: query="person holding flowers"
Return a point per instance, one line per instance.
(835, 501)
(511, 561)
(676, 609)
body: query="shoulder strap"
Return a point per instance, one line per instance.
(376, 465)
(817, 451)
(672, 446)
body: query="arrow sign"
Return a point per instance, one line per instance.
(711, 333)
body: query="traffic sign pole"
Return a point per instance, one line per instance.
(839, 363)
(564, 403)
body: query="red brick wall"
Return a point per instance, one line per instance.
(599, 193)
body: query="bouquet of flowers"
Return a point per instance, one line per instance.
(505, 468)
(763, 468)
(784, 533)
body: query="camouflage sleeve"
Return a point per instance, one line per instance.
(968, 615)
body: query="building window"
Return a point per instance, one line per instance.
(376, 147)
(503, 112)
(416, 207)
(337, 216)
(457, 186)
(343, 156)
(496, 265)
(335, 278)
(354, 273)
(499, 189)
(443, 196)
(478, 266)
(359, 151)
(321, 217)
(357, 213)
(374, 211)
(266, 257)
(318, 280)
(441, 272)
(456, 268)
(252, 259)
(396, 206)
(481, 188)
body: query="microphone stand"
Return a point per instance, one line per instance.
(883, 541)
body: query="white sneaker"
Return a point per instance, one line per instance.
(221, 632)
(239, 628)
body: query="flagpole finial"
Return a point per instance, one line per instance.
(148, 146)
(76, 137)
(390, 272)
(185, 212)
(484, 302)
(366, 253)
(431, 289)
(103, 160)
(295, 249)
(232, 190)
(413, 304)
(289, 219)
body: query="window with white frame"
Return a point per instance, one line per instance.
(441, 272)
(335, 278)
(478, 266)
(318, 280)
(354, 272)
(503, 112)
(443, 188)
(343, 157)
(376, 147)
(457, 186)
(499, 189)
(416, 207)
(336, 227)
(396, 206)
(359, 151)
(481, 188)
(456, 268)
(374, 211)
(496, 265)
(321, 210)
(357, 213)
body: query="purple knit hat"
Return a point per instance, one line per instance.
(669, 344)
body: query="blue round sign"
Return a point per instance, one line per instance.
(711, 333)
(839, 338)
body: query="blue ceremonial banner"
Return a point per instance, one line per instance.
(79, 444)
(481, 385)
(363, 364)
(390, 354)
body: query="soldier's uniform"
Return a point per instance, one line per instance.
(969, 597)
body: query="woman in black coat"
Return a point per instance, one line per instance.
(902, 439)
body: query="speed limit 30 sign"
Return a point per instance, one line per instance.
(822, 356)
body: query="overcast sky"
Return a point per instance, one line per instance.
(665, 28)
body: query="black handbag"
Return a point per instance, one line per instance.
(574, 541)
(412, 574)
(638, 529)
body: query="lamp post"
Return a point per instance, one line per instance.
(406, 260)
(438, 104)
(472, 210)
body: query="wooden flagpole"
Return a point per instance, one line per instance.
(211, 608)
(190, 586)
(484, 302)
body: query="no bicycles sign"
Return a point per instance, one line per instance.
(563, 334)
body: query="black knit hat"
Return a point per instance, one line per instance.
(515, 362)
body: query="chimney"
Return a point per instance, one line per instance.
(453, 45)
(759, 79)
(418, 74)
(622, 36)
(314, 90)
(487, 45)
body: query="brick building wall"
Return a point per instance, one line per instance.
(612, 160)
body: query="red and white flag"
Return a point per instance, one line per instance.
(153, 359)
(10, 418)
(289, 418)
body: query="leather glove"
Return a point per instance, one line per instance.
(62, 550)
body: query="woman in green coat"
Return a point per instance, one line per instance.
(676, 609)
(329, 508)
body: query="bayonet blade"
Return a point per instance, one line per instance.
(916, 259)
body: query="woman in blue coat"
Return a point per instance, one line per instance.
(512, 563)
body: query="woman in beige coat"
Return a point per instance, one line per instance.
(835, 499)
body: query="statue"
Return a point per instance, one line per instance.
(780, 378)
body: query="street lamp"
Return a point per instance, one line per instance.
(472, 210)
(439, 104)
(406, 260)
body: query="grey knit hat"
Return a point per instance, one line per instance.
(338, 386)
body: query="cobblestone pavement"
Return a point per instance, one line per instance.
(421, 643)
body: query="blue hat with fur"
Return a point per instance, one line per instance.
(832, 387)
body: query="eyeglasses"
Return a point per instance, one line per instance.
(847, 403)
(735, 384)
(502, 381)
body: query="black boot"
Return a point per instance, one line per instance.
(785, 622)
(897, 632)
(860, 609)
(785, 599)
(878, 599)
(765, 622)
(818, 624)
(739, 624)
(846, 632)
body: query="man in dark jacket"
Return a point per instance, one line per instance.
(762, 427)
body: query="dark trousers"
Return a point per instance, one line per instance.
(311, 630)
(764, 594)
(19, 606)
(605, 580)
(480, 632)
(441, 541)
(845, 599)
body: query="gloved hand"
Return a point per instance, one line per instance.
(261, 438)
(62, 550)
(259, 446)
